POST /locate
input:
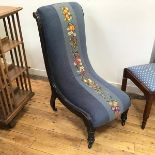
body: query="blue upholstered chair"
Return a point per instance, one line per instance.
(72, 78)
(143, 76)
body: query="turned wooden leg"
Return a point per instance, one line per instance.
(124, 117)
(124, 81)
(91, 137)
(52, 101)
(149, 100)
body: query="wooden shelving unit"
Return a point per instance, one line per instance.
(15, 86)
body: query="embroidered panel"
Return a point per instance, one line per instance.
(78, 64)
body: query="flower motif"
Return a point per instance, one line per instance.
(77, 61)
(71, 33)
(90, 82)
(81, 69)
(85, 80)
(71, 27)
(65, 10)
(96, 87)
(114, 106)
(66, 14)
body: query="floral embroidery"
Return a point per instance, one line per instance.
(66, 14)
(71, 28)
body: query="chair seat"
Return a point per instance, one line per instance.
(145, 74)
(100, 111)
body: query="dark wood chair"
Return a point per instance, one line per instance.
(143, 76)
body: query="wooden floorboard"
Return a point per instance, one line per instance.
(40, 131)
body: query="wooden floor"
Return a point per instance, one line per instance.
(40, 131)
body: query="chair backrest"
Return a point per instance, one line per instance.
(152, 59)
(63, 36)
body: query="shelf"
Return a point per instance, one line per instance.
(21, 97)
(14, 72)
(8, 44)
(8, 10)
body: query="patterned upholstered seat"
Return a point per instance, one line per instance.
(145, 74)
(70, 73)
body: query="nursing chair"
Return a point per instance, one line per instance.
(143, 76)
(72, 78)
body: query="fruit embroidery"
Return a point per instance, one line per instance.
(80, 69)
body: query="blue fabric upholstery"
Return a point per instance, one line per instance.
(145, 74)
(64, 34)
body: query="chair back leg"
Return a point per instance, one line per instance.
(124, 81)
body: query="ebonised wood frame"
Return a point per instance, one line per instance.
(56, 93)
(149, 96)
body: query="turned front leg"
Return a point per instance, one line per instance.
(52, 100)
(91, 136)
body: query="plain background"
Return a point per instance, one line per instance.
(119, 33)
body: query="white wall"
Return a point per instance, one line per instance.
(119, 33)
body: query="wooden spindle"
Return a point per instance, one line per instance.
(4, 97)
(7, 94)
(15, 51)
(7, 34)
(23, 49)
(3, 106)
(19, 53)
